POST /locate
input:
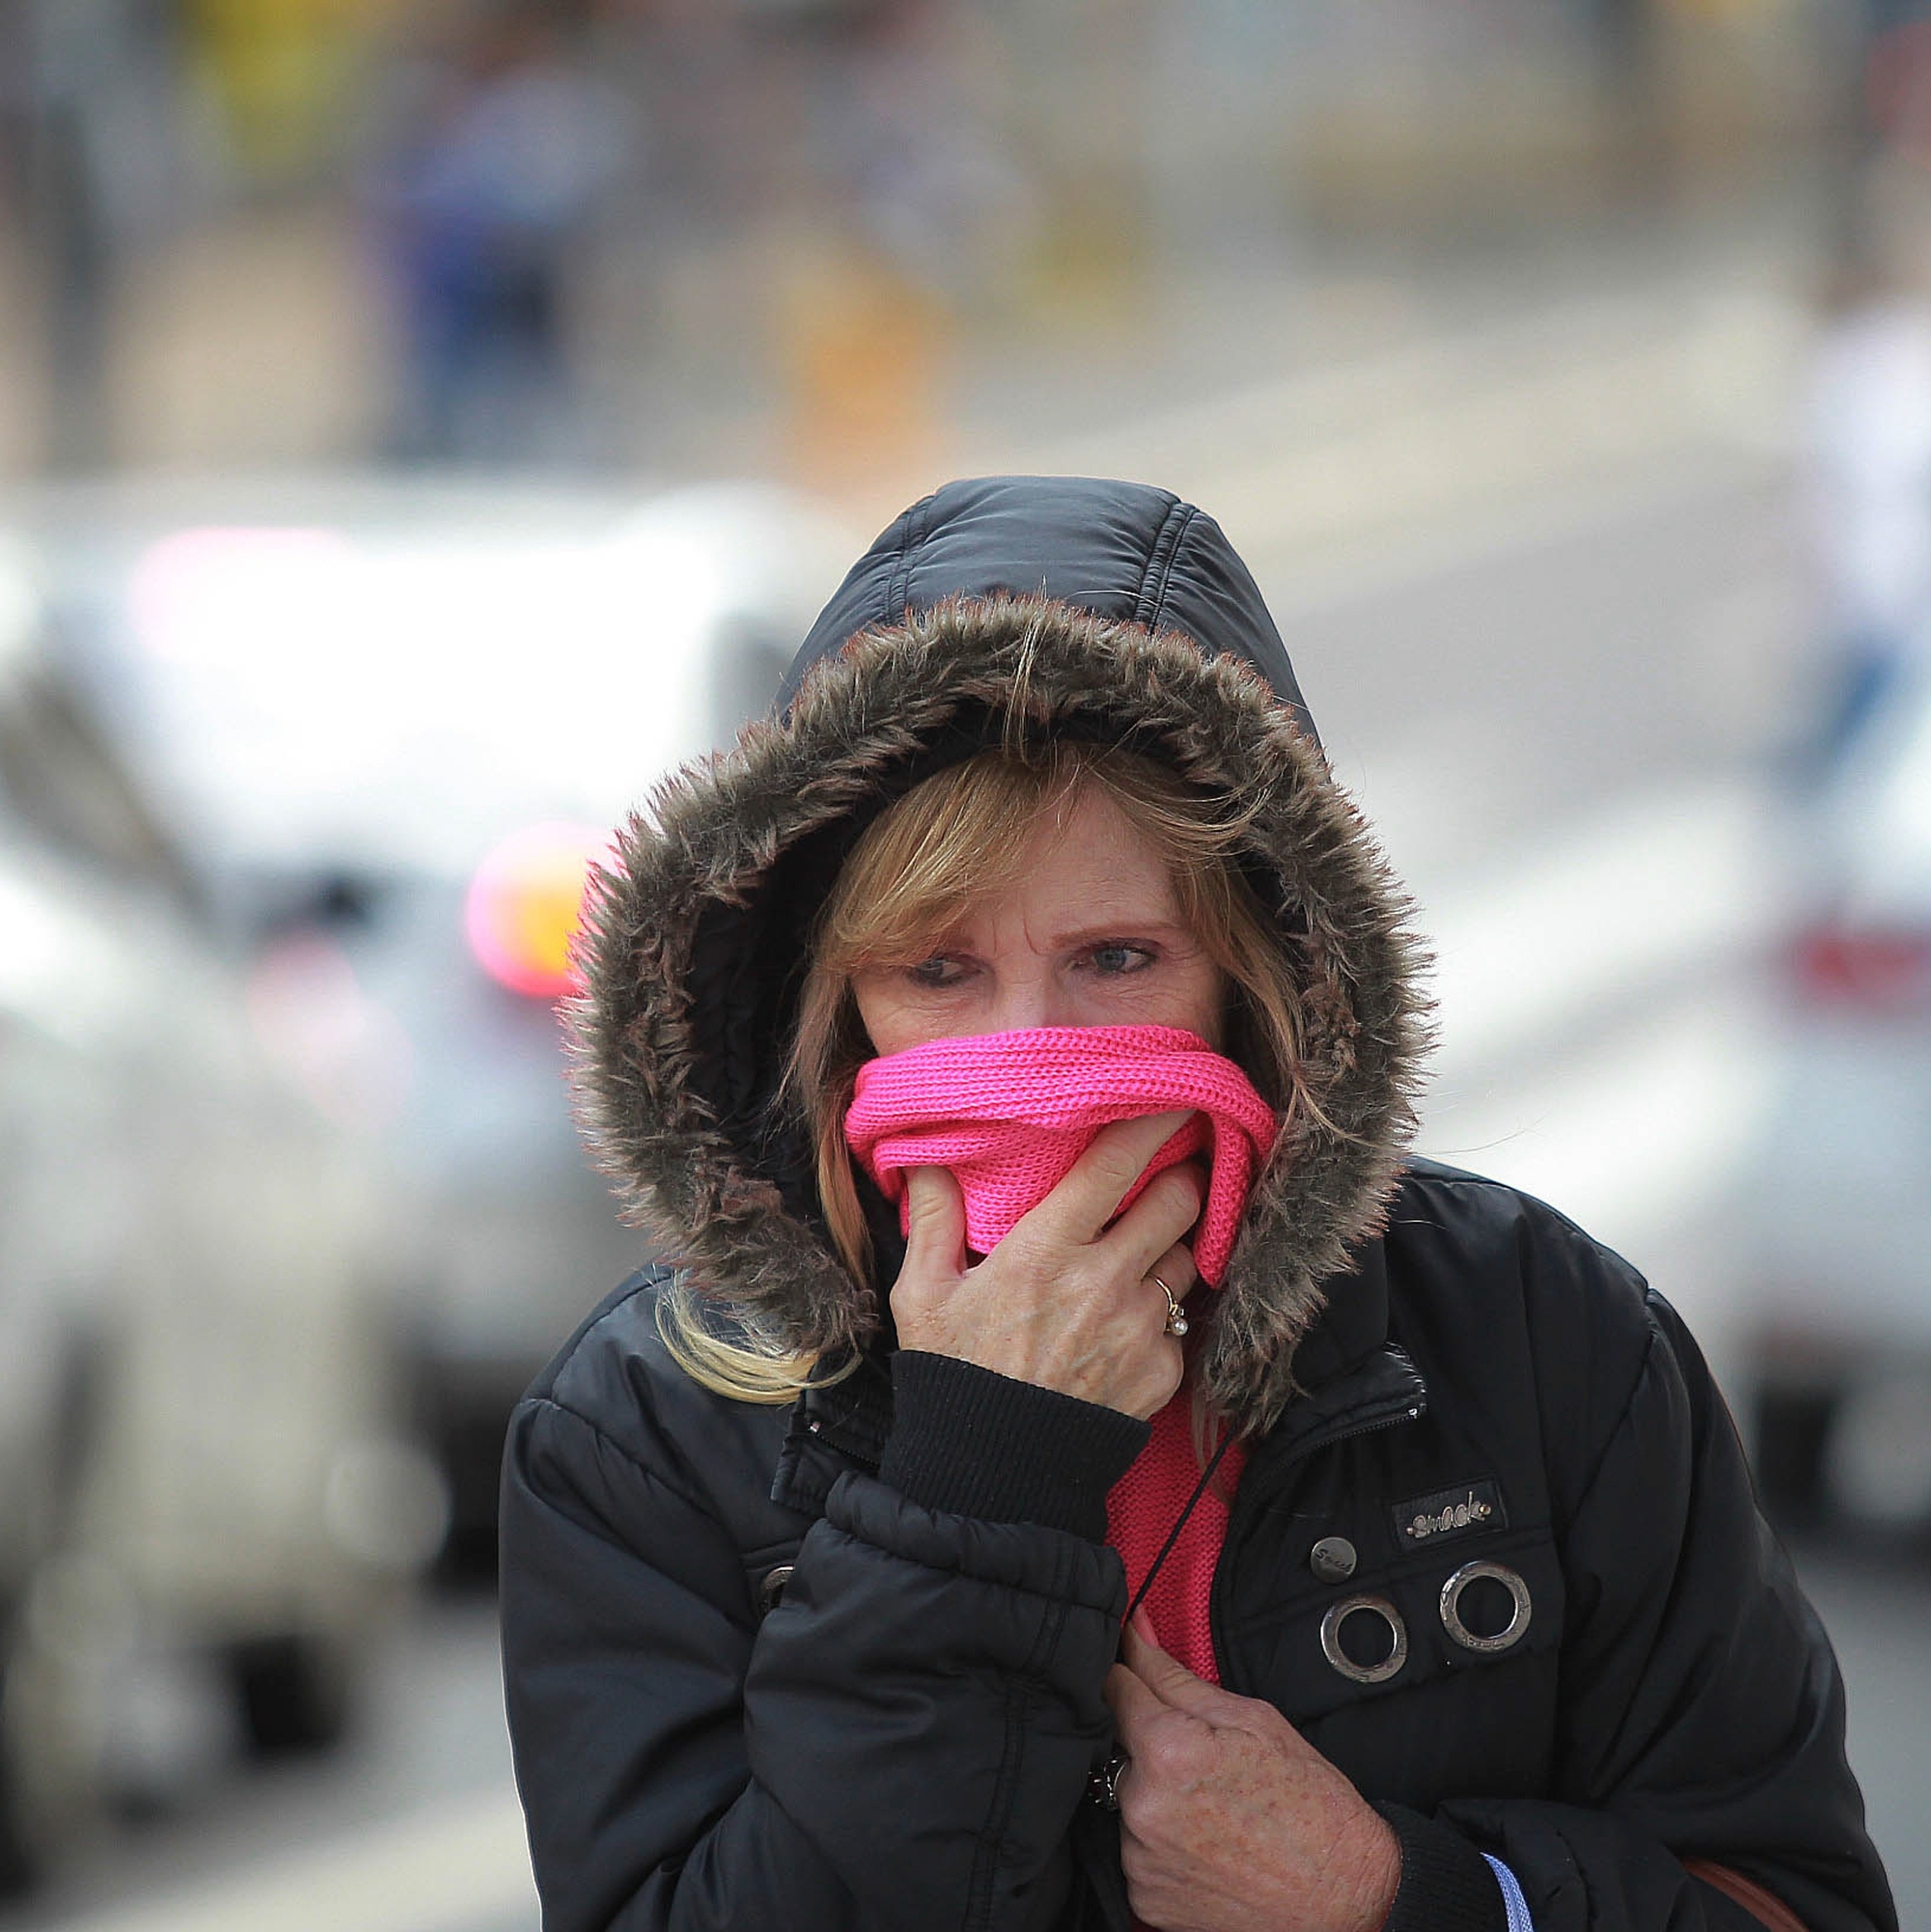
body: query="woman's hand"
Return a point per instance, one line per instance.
(1230, 1821)
(1065, 1301)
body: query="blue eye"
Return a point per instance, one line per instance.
(936, 971)
(1114, 960)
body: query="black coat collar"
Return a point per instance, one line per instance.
(1353, 1323)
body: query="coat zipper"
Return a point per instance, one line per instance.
(1410, 1409)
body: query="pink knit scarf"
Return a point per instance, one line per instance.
(1009, 1114)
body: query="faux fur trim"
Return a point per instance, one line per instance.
(714, 831)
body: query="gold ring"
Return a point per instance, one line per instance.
(1176, 1316)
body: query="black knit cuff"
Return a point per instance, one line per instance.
(969, 1440)
(1447, 1885)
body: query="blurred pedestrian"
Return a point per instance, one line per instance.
(1011, 1048)
(501, 149)
(1867, 444)
(1870, 473)
(90, 103)
(903, 136)
(921, 218)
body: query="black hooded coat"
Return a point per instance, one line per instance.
(838, 1667)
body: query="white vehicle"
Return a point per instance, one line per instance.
(1842, 1215)
(206, 1509)
(390, 725)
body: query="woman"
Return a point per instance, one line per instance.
(1455, 1609)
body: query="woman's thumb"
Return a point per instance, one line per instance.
(935, 1218)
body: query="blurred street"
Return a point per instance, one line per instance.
(1561, 689)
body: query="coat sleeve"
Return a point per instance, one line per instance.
(1703, 1715)
(901, 1742)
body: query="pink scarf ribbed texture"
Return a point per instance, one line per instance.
(1142, 1508)
(1009, 1113)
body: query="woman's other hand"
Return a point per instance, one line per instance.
(1065, 1300)
(1230, 1821)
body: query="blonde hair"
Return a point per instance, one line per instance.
(958, 837)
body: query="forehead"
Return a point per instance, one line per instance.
(1081, 866)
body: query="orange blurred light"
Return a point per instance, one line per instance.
(525, 904)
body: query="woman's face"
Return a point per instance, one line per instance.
(1091, 935)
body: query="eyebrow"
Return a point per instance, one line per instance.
(1117, 930)
(1121, 929)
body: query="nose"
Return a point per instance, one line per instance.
(1025, 1001)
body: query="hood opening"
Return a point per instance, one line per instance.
(695, 946)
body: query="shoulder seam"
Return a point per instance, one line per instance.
(1656, 1340)
(616, 1448)
(653, 1276)
(1554, 1215)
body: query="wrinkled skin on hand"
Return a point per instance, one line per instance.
(1230, 1820)
(1065, 1300)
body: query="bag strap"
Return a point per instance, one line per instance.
(1765, 1907)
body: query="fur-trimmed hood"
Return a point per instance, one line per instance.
(1137, 624)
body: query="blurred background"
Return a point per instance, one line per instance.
(422, 425)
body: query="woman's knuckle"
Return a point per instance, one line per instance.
(1143, 1811)
(1028, 1248)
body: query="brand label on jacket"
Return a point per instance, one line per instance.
(1446, 1513)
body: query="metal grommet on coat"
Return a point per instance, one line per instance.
(772, 1589)
(1374, 1607)
(1519, 1620)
